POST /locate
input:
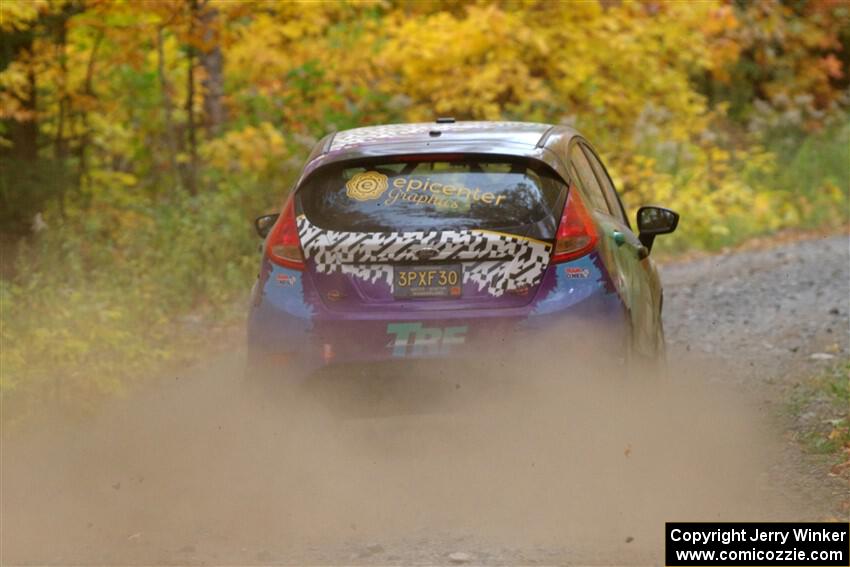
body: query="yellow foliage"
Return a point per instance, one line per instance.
(19, 14)
(470, 67)
(252, 149)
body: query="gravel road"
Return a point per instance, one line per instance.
(760, 311)
(444, 466)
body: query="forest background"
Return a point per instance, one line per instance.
(139, 139)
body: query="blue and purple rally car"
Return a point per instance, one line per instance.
(453, 240)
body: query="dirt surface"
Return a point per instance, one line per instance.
(764, 320)
(448, 465)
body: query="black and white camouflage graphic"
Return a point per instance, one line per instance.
(495, 261)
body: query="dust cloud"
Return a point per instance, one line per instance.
(543, 461)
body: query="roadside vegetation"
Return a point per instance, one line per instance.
(820, 406)
(139, 140)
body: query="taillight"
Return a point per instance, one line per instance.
(576, 233)
(283, 245)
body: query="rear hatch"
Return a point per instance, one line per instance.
(435, 233)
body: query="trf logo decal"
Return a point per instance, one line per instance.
(414, 339)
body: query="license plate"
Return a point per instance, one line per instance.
(414, 282)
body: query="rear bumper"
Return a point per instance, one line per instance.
(573, 317)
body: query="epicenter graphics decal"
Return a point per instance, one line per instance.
(366, 186)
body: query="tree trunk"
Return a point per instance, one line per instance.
(85, 137)
(17, 46)
(60, 146)
(190, 102)
(24, 133)
(169, 134)
(212, 62)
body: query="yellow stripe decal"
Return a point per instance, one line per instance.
(505, 234)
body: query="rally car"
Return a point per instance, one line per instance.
(451, 240)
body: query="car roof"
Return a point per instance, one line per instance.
(433, 133)
(521, 139)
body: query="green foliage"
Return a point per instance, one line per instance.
(817, 176)
(100, 299)
(825, 399)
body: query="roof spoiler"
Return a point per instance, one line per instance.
(542, 141)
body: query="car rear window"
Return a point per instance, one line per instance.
(508, 196)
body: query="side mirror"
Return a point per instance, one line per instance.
(265, 223)
(652, 221)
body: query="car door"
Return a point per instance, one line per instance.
(632, 272)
